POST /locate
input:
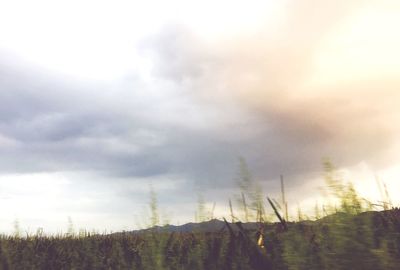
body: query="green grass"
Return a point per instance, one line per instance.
(347, 236)
(370, 240)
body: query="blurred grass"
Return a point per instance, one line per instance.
(370, 240)
(346, 236)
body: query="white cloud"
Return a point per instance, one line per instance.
(171, 93)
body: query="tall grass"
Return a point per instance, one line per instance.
(347, 235)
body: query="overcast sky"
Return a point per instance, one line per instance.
(100, 99)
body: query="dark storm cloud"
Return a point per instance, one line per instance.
(53, 125)
(206, 105)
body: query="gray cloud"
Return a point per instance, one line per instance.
(74, 130)
(205, 105)
(290, 132)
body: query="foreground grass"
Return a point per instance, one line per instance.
(349, 236)
(370, 240)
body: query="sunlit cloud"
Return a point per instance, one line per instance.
(99, 102)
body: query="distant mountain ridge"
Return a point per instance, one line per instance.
(215, 225)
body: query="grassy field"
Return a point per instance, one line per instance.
(370, 240)
(347, 235)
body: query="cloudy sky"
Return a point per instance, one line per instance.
(101, 99)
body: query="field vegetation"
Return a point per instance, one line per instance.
(351, 234)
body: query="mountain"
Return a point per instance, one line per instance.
(216, 225)
(213, 225)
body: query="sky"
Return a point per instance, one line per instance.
(99, 100)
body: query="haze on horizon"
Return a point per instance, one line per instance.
(101, 99)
